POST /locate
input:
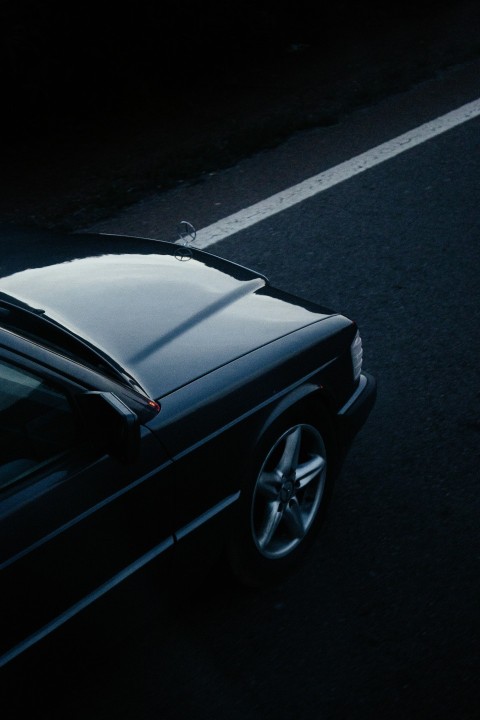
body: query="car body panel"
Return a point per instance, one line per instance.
(234, 401)
(220, 310)
(222, 351)
(70, 526)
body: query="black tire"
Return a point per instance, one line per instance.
(283, 499)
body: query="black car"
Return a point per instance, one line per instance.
(158, 406)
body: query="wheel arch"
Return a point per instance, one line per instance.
(304, 404)
(310, 397)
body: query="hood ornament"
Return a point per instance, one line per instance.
(186, 233)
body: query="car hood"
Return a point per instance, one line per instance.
(164, 313)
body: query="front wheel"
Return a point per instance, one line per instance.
(283, 501)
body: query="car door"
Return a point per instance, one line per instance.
(75, 523)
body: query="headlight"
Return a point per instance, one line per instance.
(356, 351)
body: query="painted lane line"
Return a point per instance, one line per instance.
(327, 179)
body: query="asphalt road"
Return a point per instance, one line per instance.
(382, 619)
(106, 108)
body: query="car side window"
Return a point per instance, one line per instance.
(36, 423)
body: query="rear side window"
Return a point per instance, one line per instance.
(36, 423)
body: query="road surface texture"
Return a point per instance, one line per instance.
(85, 147)
(381, 621)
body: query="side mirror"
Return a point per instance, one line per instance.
(111, 423)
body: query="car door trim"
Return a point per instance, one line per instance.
(86, 601)
(206, 516)
(82, 516)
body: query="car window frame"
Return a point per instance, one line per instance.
(67, 389)
(68, 372)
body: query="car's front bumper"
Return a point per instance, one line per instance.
(352, 416)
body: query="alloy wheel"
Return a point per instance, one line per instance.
(288, 491)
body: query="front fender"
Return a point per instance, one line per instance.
(307, 392)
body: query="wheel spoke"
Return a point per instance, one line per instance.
(294, 519)
(289, 459)
(269, 485)
(273, 515)
(309, 470)
(288, 491)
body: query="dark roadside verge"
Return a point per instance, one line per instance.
(102, 111)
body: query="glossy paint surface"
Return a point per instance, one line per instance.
(165, 315)
(226, 353)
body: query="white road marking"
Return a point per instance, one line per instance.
(324, 180)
